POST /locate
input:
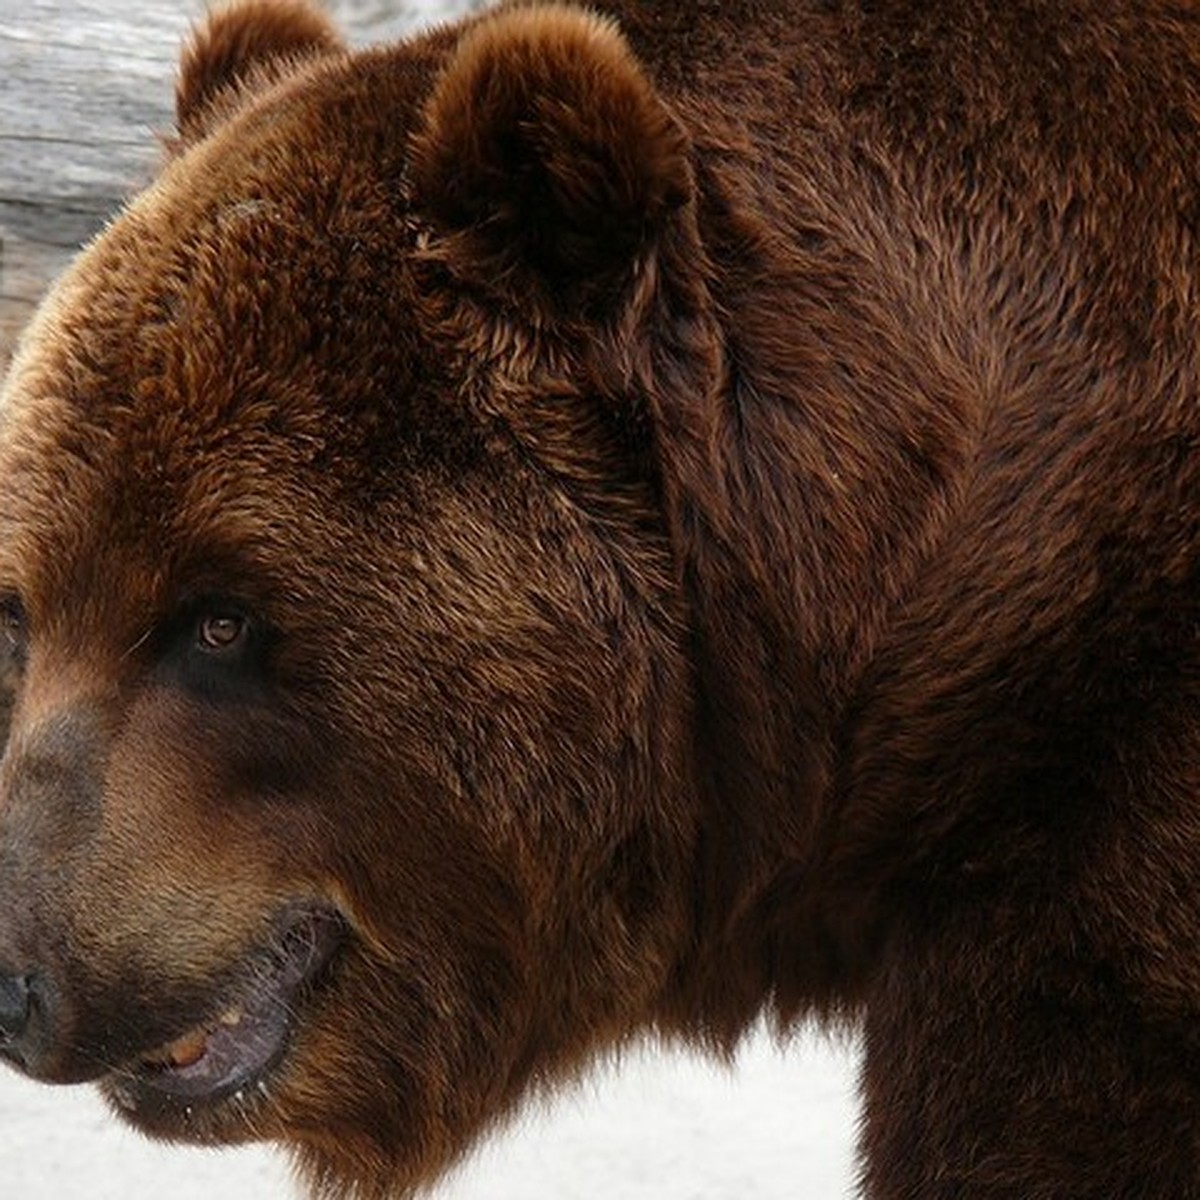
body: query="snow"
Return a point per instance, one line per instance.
(661, 1127)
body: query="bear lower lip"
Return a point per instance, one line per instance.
(246, 1041)
(212, 1060)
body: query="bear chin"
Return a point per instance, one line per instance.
(208, 1078)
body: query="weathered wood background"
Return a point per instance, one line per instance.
(85, 87)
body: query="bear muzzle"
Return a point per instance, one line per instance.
(112, 966)
(33, 1019)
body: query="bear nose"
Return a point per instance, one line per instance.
(14, 1008)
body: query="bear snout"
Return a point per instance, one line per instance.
(35, 1027)
(50, 810)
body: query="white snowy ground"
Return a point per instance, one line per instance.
(780, 1126)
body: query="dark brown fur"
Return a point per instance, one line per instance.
(717, 504)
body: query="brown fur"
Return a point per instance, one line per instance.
(714, 491)
(237, 47)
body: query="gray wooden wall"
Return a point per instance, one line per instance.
(84, 87)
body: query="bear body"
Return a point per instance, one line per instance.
(586, 522)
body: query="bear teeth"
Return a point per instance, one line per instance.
(182, 1052)
(189, 1049)
(233, 1015)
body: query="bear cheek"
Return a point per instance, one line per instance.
(186, 836)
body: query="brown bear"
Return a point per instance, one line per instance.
(588, 522)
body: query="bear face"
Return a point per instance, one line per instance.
(344, 632)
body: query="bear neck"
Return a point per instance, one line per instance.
(805, 484)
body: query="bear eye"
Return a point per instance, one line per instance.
(220, 632)
(216, 650)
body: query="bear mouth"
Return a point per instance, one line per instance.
(235, 1049)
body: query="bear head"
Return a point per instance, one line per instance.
(346, 681)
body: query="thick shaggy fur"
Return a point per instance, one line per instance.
(713, 493)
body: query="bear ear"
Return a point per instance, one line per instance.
(237, 40)
(547, 165)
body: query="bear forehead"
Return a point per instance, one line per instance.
(247, 305)
(258, 247)
(246, 322)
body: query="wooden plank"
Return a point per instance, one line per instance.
(85, 90)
